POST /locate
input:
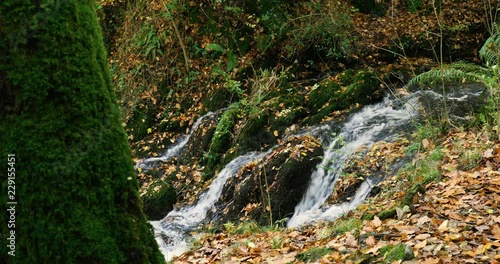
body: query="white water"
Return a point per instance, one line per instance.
(174, 150)
(373, 123)
(175, 225)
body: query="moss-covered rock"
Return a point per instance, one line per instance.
(364, 89)
(342, 92)
(221, 140)
(158, 199)
(276, 184)
(200, 139)
(399, 252)
(279, 109)
(321, 94)
(76, 191)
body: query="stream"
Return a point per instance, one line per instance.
(382, 121)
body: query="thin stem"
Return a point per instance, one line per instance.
(183, 47)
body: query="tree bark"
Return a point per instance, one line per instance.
(76, 196)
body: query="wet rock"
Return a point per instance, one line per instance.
(158, 199)
(381, 160)
(200, 139)
(270, 190)
(274, 114)
(347, 89)
(458, 102)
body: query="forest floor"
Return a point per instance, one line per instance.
(453, 219)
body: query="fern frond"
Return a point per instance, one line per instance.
(490, 52)
(472, 68)
(432, 77)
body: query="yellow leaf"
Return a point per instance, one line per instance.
(275, 133)
(444, 226)
(421, 244)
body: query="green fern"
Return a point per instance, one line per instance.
(468, 72)
(463, 72)
(490, 52)
(488, 75)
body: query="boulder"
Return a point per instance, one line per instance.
(269, 190)
(457, 101)
(200, 139)
(158, 199)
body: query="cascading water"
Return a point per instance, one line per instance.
(171, 232)
(174, 150)
(373, 123)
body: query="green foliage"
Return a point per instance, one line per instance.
(313, 254)
(158, 199)
(374, 7)
(325, 30)
(76, 192)
(414, 5)
(214, 47)
(148, 41)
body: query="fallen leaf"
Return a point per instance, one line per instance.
(431, 261)
(422, 236)
(488, 154)
(425, 143)
(370, 241)
(421, 244)
(376, 222)
(444, 226)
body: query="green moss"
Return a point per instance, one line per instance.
(347, 225)
(158, 199)
(390, 213)
(221, 140)
(417, 188)
(140, 121)
(363, 89)
(76, 192)
(414, 5)
(313, 254)
(398, 252)
(385, 249)
(321, 94)
(346, 77)
(367, 216)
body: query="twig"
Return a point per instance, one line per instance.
(186, 61)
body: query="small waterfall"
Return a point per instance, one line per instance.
(171, 232)
(175, 149)
(373, 123)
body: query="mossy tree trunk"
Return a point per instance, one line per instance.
(75, 188)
